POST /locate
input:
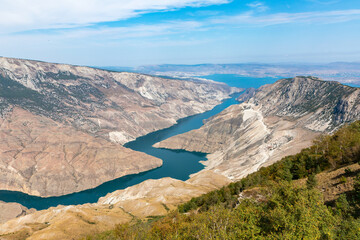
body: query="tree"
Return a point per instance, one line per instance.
(342, 205)
(311, 181)
(357, 188)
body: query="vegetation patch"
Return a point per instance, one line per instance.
(266, 204)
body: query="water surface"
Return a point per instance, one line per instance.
(235, 80)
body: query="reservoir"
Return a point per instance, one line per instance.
(178, 164)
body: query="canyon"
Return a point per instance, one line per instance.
(270, 122)
(62, 127)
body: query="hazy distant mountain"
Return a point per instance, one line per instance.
(116, 68)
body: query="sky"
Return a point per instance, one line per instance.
(148, 32)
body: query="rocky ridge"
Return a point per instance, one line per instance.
(62, 126)
(274, 121)
(150, 198)
(115, 105)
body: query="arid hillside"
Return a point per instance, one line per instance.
(62, 126)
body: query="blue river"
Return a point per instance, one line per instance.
(178, 164)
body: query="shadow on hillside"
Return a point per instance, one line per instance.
(347, 174)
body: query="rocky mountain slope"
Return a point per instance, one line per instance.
(42, 157)
(157, 197)
(274, 121)
(62, 126)
(331, 104)
(150, 198)
(119, 106)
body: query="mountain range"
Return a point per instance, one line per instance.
(62, 128)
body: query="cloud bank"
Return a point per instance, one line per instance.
(22, 15)
(325, 17)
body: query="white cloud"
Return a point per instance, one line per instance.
(259, 6)
(135, 31)
(251, 19)
(324, 2)
(22, 15)
(247, 19)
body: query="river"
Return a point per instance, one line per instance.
(178, 164)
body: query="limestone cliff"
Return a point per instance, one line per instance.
(274, 121)
(62, 126)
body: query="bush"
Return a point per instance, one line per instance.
(343, 180)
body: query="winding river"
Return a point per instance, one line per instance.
(178, 164)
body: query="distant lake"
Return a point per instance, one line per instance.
(352, 85)
(240, 81)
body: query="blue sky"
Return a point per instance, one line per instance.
(142, 32)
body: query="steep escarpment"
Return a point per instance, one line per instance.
(274, 121)
(62, 126)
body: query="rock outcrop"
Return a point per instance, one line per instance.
(12, 210)
(274, 121)
(156, 197)
(64, 222)
(62, 126)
